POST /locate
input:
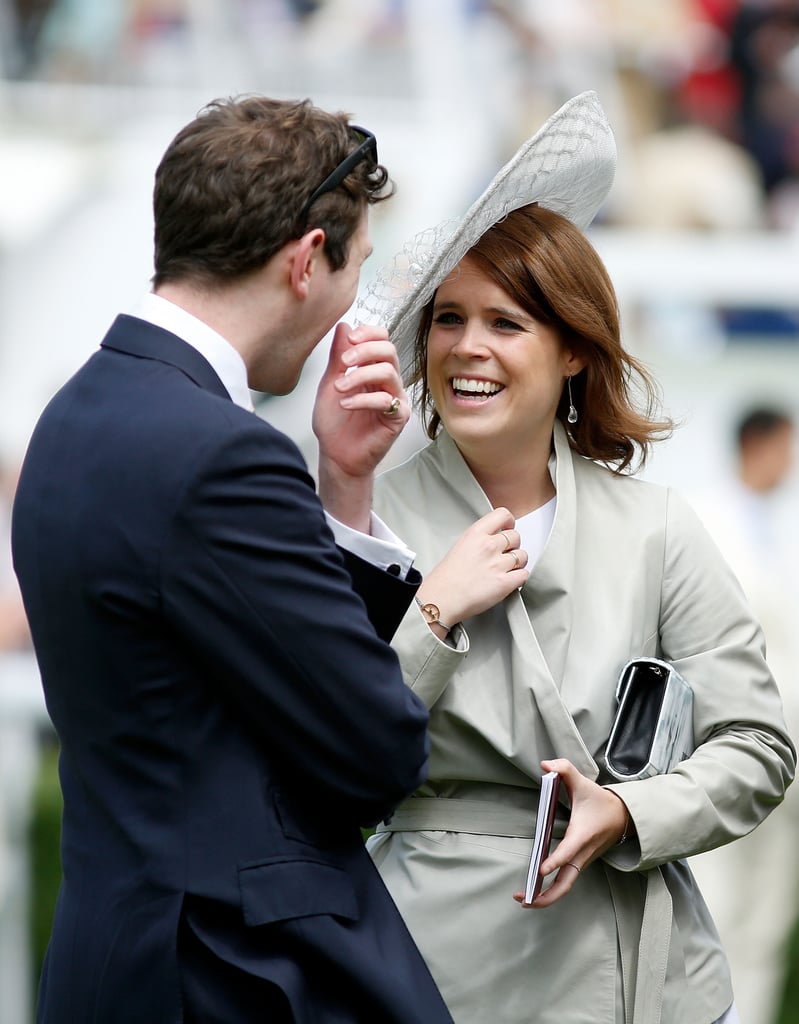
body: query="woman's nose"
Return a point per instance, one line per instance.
(470, 341)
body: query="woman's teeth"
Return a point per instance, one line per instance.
(467, 387)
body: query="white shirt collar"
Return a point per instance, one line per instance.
(224, 359)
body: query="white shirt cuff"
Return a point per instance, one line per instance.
(382, 547)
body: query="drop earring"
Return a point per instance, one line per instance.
(572, 415)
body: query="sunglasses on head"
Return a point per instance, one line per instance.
(367, 149)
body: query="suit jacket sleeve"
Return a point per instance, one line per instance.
(254, 584)
(396, 594)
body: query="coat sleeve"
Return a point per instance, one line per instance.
(428, 664)
(744, 759)
(255, 587)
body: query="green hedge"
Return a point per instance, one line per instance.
(45, 837)
(789, 1013)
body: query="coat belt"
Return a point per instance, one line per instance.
(478, 817)
(643, 962)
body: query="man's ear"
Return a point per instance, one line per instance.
(303, 260)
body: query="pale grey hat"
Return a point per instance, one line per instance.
(567, 166)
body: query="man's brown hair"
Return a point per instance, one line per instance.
(231, 187)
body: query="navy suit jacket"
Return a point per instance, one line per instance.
(227, 710)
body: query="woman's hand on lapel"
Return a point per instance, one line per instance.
(599, 819)
(482, 567)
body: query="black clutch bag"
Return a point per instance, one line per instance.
(653, 729)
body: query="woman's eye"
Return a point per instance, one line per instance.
(503, 324)
(446, 318)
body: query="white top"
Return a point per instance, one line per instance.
(534, 529)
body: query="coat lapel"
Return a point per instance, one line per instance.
(540, 616)
(144, 340)
(547, 594)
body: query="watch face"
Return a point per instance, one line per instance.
(431, 612)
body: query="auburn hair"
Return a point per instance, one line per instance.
(550, 269)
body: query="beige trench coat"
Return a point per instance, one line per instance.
(628, 570)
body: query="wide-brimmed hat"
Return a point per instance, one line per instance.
(567, 166)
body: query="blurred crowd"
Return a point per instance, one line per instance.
(708, 89)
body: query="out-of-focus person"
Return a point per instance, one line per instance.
(14, 632)
(752, 885)
(764, 52)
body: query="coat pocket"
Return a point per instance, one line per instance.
(283, 890)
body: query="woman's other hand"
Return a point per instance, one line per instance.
(599, 819)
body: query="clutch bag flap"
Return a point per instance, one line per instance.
(653, 728)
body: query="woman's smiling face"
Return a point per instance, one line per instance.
(494, 372)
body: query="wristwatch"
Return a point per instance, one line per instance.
(432, 615)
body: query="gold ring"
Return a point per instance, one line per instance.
(516, 560)
(571, 864)
(393, 409)
(507, 542)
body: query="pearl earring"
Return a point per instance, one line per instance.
(572, 415)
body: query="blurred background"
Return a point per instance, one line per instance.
(700, 234)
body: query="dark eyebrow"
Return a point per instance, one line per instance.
(508, 314)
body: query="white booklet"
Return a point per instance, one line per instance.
(547, 803)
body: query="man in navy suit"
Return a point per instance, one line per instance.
(213, 645)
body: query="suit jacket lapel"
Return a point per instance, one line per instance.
(144, 340)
